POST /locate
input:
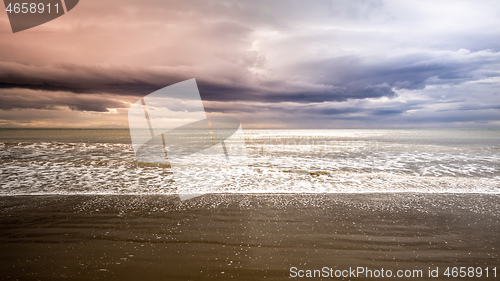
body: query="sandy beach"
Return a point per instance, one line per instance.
(250, 140)
(243, 237)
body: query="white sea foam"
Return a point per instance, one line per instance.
(279, 161)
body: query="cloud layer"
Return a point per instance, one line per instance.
(270, 63)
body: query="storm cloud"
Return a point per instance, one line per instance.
(292, 62)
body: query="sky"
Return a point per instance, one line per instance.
(271, 64)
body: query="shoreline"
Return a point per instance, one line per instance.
(262, 193)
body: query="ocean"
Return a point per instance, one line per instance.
(277, 161)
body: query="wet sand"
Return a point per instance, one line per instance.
(243, 237)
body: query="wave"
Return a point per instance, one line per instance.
(292, 167)
(45, 177)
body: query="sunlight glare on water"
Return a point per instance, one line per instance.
(279, 161)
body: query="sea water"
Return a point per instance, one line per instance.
(43, 161)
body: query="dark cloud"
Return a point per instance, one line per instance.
(364, 78)
(343, 79)
(352, 81)
(478, 107)
(82, 79)
(10, 99)
(139, 82)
